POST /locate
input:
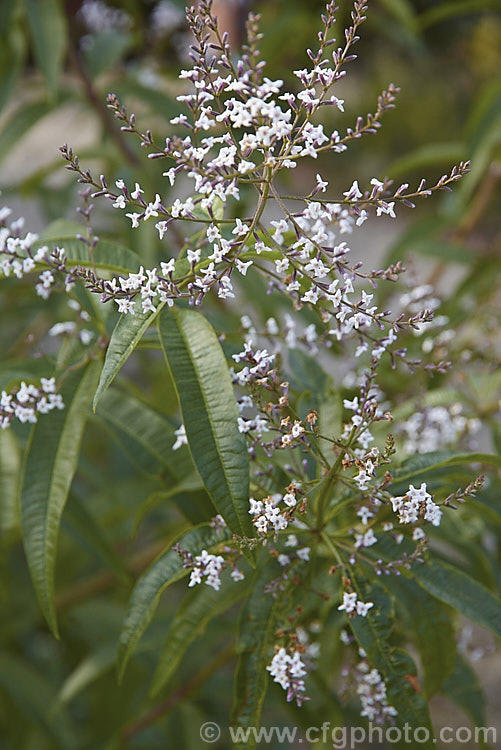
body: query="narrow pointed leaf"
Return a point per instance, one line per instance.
(10, 464)
(209, 412)
(124, 339)
(395, 665)
(433, 632)
(34, 694)
(165, 570)
(106, 256)
(457, 589)
(146, 435)
(49, 466)
(426, 462)
(464, 689)
(199, 607)
(48, 29)
(256, 638)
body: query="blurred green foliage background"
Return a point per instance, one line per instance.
(58, 60)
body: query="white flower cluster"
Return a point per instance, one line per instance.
(267, 515)
(288, 670)
(353, 606)
(28, 401)
(417, 504)
(209, 566)
(371, 690)
(435, 428)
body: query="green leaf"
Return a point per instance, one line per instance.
(198, 608)
(81, 524)
(12, 50)
(430, 155)
(145, 434)
(464, 689)
(426, 462)
(188, 494)
(256, 637)
(50, 462)
(89, 670)
(105, 51)
(165, 570)
(124, 339)
(210, 415)
(457, 589)
(106, 256)
(21, 120)
(395, 665)
(444, 11)
(34, 695)
(10, 464)
(48, 29)
(432, 629)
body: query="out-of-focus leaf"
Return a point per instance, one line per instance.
(198, 608)
(89, 670)
(105, 50)
(79, 521)
(107, 256)
(464, 689)
(256, 638)
(48, 29)
(427, 462)
(165, 570)
(432, 629)
(209, 412)
(34, 696)
(10, 465)
(124, 339)
(444, 11)
(395, 665)
(21, 120)
(50, 463)
(12, 49)
(146, 435)
(182, 492)
(403, 11)
(457, 589)
(431, 155)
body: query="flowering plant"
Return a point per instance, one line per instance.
(314, 496)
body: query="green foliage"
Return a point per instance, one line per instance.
(101, 517)
(209, 411)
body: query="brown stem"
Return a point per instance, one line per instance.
(172, 700)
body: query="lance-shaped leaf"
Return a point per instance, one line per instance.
(145, 435)
(124, 339)
(426, 462)
(433, 632)
(10, 464)
(106, 255)
(209, 412)
(165, 570)
(198, 608)
(256, 638)
(395, 665)
(464, 689)
(50, 463)
(48, 29)
(457, 589)
(448, 584)
(34, 695)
